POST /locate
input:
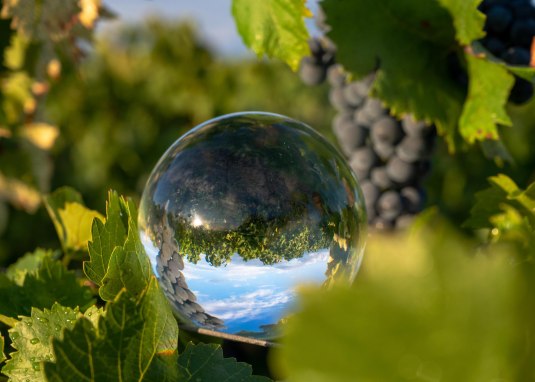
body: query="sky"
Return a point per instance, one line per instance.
(213, 17)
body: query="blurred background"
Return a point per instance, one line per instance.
(152, 72)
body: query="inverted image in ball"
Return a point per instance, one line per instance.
(241, 210)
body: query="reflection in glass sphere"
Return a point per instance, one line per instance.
(241, 210)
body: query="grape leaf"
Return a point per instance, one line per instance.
(32, 338)
(72, 220)
(205, 362)
(274, 27)
(30, 262)
(468, 20)
(135, 340)
(424, 306)
(488, 91)
(408, 43)
(2, 355)
(50, 283)
(502, 192)
(106, 236)
(118, 262)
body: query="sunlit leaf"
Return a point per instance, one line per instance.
(50, 283)
(407, 43)
(468, 20)
(135, 340)
(72, 220)
(274, 27)
(484, 109)
(117, 261)
(32, 340)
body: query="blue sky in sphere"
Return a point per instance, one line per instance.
(212, 17)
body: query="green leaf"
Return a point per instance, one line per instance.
(423, 307)
(407, 41)
(135, 340)
(50, 283)
(106, 236)
(502, 192)
(488, 91)
(2, 355)
(117, 262)
(32, 338)
(30, 262)
(72, 220)
(205, 362)
(274, 27)
(467, 19)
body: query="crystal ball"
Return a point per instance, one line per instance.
(243, 209)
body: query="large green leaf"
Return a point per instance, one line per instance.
(273, 27)
(407, 41)
(72, 220)
(488, 91)
(32, 339)
(424, 309)
(205, 362)
(468, 20)
(502, 192)
(117, 257)
(106, 236)
(49, 284)
(135, 340)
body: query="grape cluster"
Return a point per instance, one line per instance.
(390, 157)
(510, 28)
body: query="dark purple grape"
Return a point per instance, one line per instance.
(310, 72)
(404, 221)
(416, 128)
(400, 171)
(386, 130)
(363, 159)
(382, 224)
(498, 18)
(370, 192)
(516, 56)
(336, 76)
(362, 118)
(352, 94)
(413, 149)
(350, 136)
(384, 150)
(380, 178)
(413, 199)
(338, 99)
(389, 205)
(495, 45)
(373, 109)
(521, 92)
(522, 32)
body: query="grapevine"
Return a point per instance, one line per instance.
(390, 157)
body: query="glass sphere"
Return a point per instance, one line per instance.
(241, 210)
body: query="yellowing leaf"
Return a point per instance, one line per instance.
(273, 27)
(19, 194)
(72, 220)
(484, 108)
(41, 135)
(77, 221)
(89, 13)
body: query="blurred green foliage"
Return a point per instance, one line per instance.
(138, 91)
(143, 86)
